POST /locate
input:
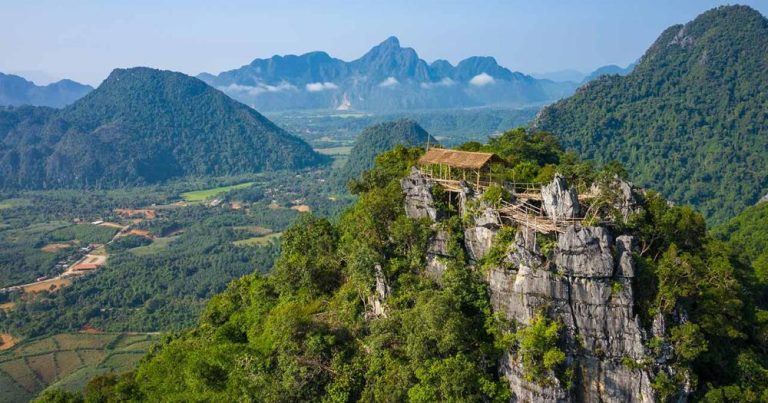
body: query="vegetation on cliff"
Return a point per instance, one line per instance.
(311, 330)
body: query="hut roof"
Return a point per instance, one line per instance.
(458, 159)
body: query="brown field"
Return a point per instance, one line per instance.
(274, 206)
(44, 366)
(148, 214)
(141, 232)
(7, 341)
(92, 357)
(72, 341)
(22, 374)
(302, 208)
(55, 247)
(39, 346)
(7, 306)
(111, 225)
(68, 361)
(90, 330)
(46, 285)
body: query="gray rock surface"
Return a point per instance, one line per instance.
(559, 201)
(588, 290)
(418, 196)
(377, 301)
(586, 284)
(436, 255)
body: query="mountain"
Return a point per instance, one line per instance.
(387, 78)
(610, 69)
(748, 233)
(415, 295)
(15, 91)
(142, 126)
(689, 120)
(379, 138)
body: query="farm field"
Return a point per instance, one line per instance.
(201, 195)
(332, 151)
(258, 240)
(158, 245)
(67, 361)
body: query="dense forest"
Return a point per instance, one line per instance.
(689, 121)
(379, 138)
(309, 332)
(142, 126)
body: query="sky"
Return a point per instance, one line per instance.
(84, 40)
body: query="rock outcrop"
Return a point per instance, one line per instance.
(558, 201)
(583, 280)
(478, 239)
(589, 290)
(624, 195)
(419, 202)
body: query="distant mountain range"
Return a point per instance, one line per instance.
(387, 78)
(691, 120)
(142, 126)
(15, 91)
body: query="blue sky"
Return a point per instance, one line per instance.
(84, 40)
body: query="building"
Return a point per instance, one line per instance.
(452, 165)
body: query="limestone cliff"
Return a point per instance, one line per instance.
(584, 280)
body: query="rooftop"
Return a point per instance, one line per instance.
(458, 159)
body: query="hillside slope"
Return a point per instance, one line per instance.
(690, 120)
(381, 137)
(16, 91)
(142, 126)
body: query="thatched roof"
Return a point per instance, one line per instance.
(458, 159)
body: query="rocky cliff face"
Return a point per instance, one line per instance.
(584, 280)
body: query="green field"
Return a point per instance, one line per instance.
(11, 203)
(340, 155)
(258, 240)
(158, 245)
(67, 361)
(201, 195)
(334, 151)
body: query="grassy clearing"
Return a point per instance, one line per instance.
(12, 203)
(258, 240)
(158, 245)
(67, 361)
(201, 195)
(254, 229)
(334, 151)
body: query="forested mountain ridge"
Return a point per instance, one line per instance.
(379, 138)
(16, 91)
(387, 78)
(142, 126)
(690, 120)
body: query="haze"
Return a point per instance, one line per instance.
(84, 40)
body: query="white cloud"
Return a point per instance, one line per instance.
(446, 82)
(389, 82)
(258, 88)
(481, 80)
(321, 86)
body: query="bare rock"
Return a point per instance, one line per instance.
(418, 196)
(558, 200)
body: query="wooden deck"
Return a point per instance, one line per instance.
(521, 212)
